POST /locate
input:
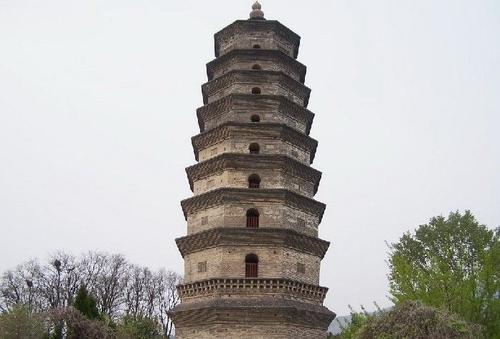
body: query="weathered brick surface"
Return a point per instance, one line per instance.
(240, 108)
(268, 60)
(269, 179)
(267, 146)
(244, 81)
(271, 138)
(229, 262)
(245, 34)
(275, 171)
(251, 331)
(249, 40)
(246, 116)
(245, 236)
(286, 317)
(255, 94)
(255, 290)
(262, 65)
(272, 215)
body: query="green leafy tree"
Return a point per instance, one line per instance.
(86, 303)
(451, 263)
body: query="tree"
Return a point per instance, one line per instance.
(110, 284)
(118, 288)
(167, 298)
(40, 287)
(138, 302)
(86, 304)
(451, 263)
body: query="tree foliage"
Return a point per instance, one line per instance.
(451, 263)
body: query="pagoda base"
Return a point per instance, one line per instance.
(240, 319)
(242, 331)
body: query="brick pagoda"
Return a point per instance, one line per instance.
(252, 254)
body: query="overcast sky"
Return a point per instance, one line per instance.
(97, 108)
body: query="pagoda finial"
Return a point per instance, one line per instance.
(256, 13)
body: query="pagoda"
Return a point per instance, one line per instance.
(252, 254)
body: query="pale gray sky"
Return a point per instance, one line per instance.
(97, 108)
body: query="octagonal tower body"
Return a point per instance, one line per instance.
(252, 253)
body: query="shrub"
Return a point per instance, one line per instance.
(413, 320)
(20, 323)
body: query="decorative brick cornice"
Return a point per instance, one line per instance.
(253, 162)
(255, 103)
(262, 311)
(235, 236)
(256, 55)
(240, 26)
(255, 78)
(257, 131)
(293, 288)
(236, 195)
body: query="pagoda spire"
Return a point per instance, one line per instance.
(256, 13)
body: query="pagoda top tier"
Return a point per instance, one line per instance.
(257, 32)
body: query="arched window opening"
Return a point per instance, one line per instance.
(256, 46)
(252, 218)
(251, 266)
(256, 90)
(256, 66)
(254, 181)
(254, 148)
(255, 118)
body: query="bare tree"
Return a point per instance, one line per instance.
(20, 287)
(91, 267)
(118, 287)
(110, 284)
(167, 298)
(139, 283)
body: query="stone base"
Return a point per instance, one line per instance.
(241, 319)
(244, 331)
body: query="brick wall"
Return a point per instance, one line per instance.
(269, 179)
(241, 331)
(266, 65)
(259, 309)
(247, 40)
(229, 262)
(272, 214)
(242, 115)
(267, 88)
(267, 146)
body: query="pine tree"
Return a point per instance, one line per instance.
(86, 304)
